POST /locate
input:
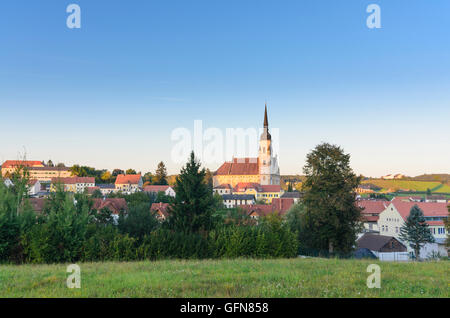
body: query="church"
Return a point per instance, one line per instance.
(263, 169)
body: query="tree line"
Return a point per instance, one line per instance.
(325, 223)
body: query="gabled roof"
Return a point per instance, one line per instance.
(73, 180)
(128, 179)
(428, 208)
(372, 206)
(238, 197)
(223, 186)
(293, 194)
(243, 186)
(239, 166)
(271, 188)
(279, 206)
(25, 163)
(161, 208)
(375, 242)
(156, 188)
(115, 205)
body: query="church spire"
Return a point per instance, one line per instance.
(266, 122)
(266, 135)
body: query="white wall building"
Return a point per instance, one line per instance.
(394, 216)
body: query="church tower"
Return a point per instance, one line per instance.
(265, 153)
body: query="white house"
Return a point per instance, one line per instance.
(8, 182)
(34, 187)
(167, 190)
(129, 183)
(371, 213)
(394, 216)
(234, 200)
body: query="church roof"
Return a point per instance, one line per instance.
(239, 166)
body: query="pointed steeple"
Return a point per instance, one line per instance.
(266, 122)
(266, 135)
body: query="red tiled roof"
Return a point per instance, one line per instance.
(271, 188)
(15, 163)
(115, 205)
(279, 206)
(239, 166)
(282, 204)
(156, 188)
(128, 178)
(370, 218)
(428, 208)
(223, 186)
(73, 180)
(160, 207)
(32, 182)
(243, 186)
(372, 206)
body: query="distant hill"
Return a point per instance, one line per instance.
(438, 177)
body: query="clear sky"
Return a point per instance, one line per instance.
(109, 94)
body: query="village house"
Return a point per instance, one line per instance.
(106, 188)
(115, 205)
(160, 210)
(7, 182)
(36, 169)
(278, 206)
(295, 195)
(397, 211)
(223, 189)
(436, 198)
(72, 184)
(167, 190)
(9, 166)
(385, 248)
(34, 187)
(371, 212)
(128, 183)
(234, 200)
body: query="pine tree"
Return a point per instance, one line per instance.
(415, 231)
(161, 174)
(332, 215)
(194, 203)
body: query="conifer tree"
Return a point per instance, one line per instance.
(415, 231)
(194, 203)
(161, 174)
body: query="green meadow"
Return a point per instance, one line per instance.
(300, 277)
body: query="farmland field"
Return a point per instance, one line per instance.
(301, 277)
(409, 185)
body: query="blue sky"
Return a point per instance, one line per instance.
(109, 94)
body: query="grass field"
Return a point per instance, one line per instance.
(409, 185)
(301, 277)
